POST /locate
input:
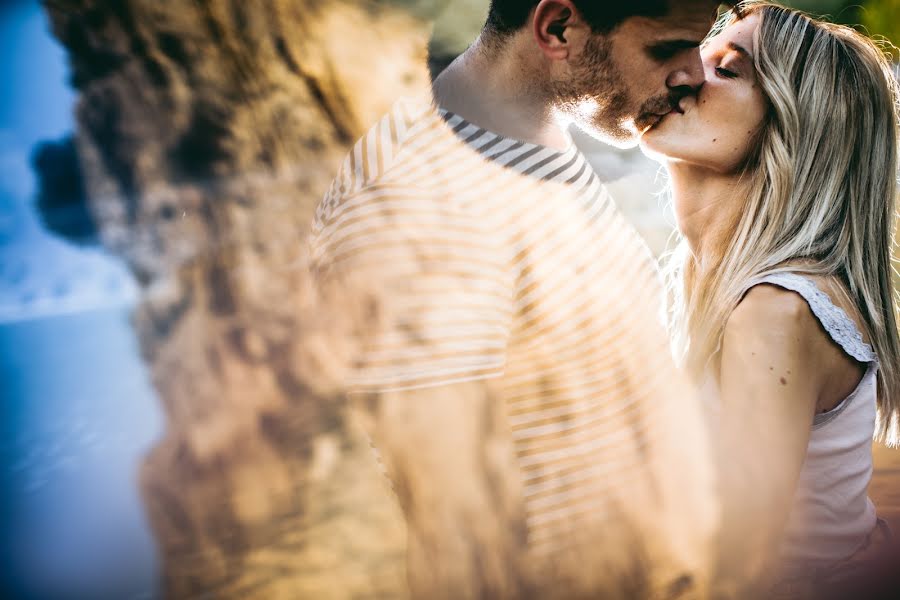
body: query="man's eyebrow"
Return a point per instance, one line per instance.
(683, 44)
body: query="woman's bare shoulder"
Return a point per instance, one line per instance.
(777, 326)
(768, 308)
(773, 352)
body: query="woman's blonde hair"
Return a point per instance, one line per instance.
(818, 195)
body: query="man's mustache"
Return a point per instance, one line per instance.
(654, 109)
(662, 105)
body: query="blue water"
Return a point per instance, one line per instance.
(79, 415)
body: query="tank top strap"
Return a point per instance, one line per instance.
(834, 320)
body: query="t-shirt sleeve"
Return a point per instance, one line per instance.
(443, 286)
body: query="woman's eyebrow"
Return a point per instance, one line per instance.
(740, 50)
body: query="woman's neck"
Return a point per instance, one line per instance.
(707, 205)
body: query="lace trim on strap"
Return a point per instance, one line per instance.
(839, 326)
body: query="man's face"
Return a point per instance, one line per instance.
(622, 83)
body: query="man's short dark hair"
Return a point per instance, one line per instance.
(508, 16)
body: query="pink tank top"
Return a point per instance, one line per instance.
(832, 515)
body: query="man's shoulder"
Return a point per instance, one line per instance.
(377, 153)
(380, 148)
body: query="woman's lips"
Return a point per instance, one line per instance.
(658, 118)
(675, 109)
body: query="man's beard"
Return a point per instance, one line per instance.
(596, 97)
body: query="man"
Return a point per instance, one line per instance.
(614, 67)
(521, 393)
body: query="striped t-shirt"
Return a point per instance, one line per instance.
(508, 261)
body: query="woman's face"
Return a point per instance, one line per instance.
(715, 128)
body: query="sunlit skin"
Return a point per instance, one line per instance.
(521, 87)
(717, 128)
(659, 62)
(705, 147)
(777, 367)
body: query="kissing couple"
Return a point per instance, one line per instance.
(557, 416)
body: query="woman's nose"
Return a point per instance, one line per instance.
(708, 61)
(689, 76)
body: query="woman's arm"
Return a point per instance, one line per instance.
(771, 377)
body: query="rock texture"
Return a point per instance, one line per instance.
(207, 131)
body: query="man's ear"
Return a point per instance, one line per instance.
(552, 20)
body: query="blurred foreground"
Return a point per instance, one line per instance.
(207, 132)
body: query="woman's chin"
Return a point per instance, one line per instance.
(654, 147)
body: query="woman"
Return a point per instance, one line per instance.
(783, 175)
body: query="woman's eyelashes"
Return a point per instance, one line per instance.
(723, 72)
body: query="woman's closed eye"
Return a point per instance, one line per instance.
(723, 72)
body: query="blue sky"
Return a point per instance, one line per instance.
(37, 104)
(40, 102)
(40, 275)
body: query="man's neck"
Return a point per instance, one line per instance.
(495, 89)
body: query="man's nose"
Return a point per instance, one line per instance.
(689, 77)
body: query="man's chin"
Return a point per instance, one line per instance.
(619, 137)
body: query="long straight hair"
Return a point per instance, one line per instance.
(819, 192)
